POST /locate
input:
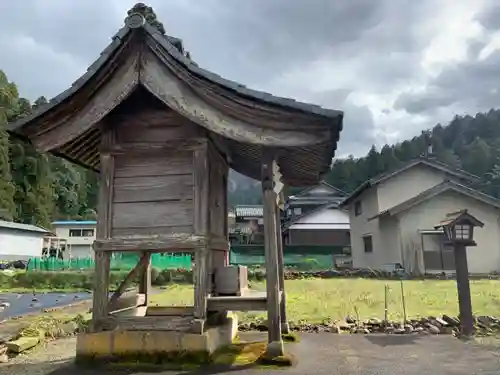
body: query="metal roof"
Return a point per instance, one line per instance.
(74, 222)
(23, 227)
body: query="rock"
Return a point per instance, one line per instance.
(454, 322)
(485, 321)
(349, 319)
(343, 326)
(408, 328)
(22, 344)
(442, 322)
(389, 329)
(447, 330)
(334, 329)
(433, 329)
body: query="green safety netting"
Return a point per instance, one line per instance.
(118, 262)
(302, 257)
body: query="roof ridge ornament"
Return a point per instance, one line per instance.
(135, 20)
(147, 13)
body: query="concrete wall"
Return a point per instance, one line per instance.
(20, 245)
(407, 184)
(361, 226)
(483, 258)
(62, 231)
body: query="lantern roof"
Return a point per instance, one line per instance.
(459, 217)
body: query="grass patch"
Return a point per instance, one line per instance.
(317, 300)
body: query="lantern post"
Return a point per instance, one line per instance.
(458, 229)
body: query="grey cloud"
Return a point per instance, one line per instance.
(472, 85)
(252, 42)
(358, 132)
(489, 17)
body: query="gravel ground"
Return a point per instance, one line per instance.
(318, 354)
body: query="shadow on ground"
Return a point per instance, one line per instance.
(393, 340)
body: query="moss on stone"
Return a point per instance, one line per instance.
(285, 360)
(177, 359)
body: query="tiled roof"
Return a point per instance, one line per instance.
(249, 211)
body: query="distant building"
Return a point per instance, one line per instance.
(393, 218)
(310, 199)
(79, 236)
(313, 217)
(20, 241)
(249, 224)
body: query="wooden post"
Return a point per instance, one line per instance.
(145, 278)
(103, 231)
(275, 342)
(285, 328)
(464, 299)
(201, 227)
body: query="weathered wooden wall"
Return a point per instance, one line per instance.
(153, 191)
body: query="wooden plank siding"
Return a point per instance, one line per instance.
(153, 192)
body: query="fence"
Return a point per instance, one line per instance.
(297, 256)
(118, 262)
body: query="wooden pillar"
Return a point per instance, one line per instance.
(145, 278)
(464, 299)
(275, 342)
(201, 227)
(281, 274)
(103, 231)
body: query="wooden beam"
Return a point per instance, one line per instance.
(155, 148)
(132, 275)
(285, 328)
(128, 300)
(164, 243)
(145, 277)
(275, 342)
(103, 259)
(201, 228)
(145, 323)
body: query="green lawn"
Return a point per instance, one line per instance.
(314, 300)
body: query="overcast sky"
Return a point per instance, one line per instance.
(394, 66)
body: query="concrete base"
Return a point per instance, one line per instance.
(275, 349)
(121, 343)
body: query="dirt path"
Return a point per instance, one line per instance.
(317, 354)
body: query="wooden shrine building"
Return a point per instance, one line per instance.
(163, 133)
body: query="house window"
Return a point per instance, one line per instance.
(368, 244)
(357, 208)
(81, 233)
(297, 211)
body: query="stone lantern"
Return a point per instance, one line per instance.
(458, 228)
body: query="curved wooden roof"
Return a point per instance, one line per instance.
(139, 57)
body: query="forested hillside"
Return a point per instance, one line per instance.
(38, 188)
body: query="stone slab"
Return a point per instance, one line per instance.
(123, 342)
